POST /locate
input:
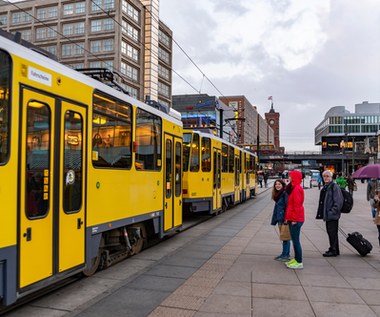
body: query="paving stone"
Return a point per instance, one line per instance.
(183, 301)
(281, 308)
(161, 311)
(227, 304)
(333, 295)
(167, 284)
(279, 291)
(171, 271)
(194, 290)
(341, 310)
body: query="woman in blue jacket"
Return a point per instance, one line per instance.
(280, 198)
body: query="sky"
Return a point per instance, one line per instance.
(310, 55)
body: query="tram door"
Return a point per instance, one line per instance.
(217, 194)
(51, 227)
(173, 182)
(237, 178)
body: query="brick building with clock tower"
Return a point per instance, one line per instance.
(273, 119)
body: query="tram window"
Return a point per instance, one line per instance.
(5, 78)
(73, 153)
(230, 159)
(168, 168)
(206, 154)
(186, 150)
(224, 158)
(37, 159)
(194, 156)
(148, 141)
(178, 174)
(111, 133)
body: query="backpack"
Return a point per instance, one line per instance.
(348, 202)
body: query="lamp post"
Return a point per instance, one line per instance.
(353, 154)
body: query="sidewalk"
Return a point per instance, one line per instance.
(242, 279)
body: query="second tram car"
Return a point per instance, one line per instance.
(217, 174)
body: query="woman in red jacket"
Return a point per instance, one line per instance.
(295, 217)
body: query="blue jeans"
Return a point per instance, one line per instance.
(295, 231)
(285, 249)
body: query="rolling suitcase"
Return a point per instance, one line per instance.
(363, 246)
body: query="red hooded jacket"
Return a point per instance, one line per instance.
(295, 210)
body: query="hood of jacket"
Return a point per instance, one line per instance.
(296, 177)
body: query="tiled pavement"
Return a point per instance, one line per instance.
(242, 279)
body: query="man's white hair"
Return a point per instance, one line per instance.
(327, 172)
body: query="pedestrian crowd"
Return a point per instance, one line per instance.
(289, 215)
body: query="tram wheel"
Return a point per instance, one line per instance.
(139, 244)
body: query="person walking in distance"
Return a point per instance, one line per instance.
(266, 176)
(376, 199)
(330, 204)
(295, 216)
(371, 188)
(280, 198)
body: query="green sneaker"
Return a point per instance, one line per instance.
(281, 258)
(295, 265)
(290, 262)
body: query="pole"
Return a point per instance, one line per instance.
(353, 154)
(221, 123)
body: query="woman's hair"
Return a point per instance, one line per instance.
(275, 192)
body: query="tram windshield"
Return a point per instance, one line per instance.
(5, 78)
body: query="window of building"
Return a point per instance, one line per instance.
(102, 64)
(112, 133)
(74, 8)
(129, 71)
(46, 33)
(163, 55)
(3, 19)
(102, 5)
(163, 89)
(26, 35)
(131, 11)
(130, 51)
(164, 38)
(131, 32)
(133, 92)
(163, 72)
(21, 17)
(148, 141)
(73, 28)
(76, 65)
(72, 49)
(51, 49)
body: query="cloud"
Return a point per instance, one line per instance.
(309, 55)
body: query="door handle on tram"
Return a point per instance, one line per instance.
(28, 234)
(166, 205)
(79, 223)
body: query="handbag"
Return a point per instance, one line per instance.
(284, 232)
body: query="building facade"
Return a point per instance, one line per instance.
(232, 117)
(124, 36)
(342, 130)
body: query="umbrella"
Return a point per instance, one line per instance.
(368, 171)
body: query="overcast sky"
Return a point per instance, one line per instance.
(310, 55)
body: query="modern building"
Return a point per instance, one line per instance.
(342, 129)
(345, 133)
(124, 36)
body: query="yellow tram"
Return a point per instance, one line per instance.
(86, 172)
(217, 174)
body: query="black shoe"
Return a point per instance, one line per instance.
(329, 254)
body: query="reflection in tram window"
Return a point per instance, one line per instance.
(72, 173)
(111, 139)
(37, 159)
(148, 141)
(5, 63)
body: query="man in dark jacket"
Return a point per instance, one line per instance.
(330, 204)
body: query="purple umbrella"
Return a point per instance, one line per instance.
(368, 171)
